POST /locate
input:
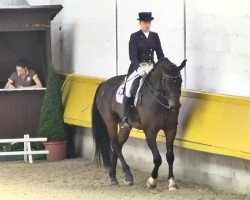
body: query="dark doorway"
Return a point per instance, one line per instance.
(28, 45)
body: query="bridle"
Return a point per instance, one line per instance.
(156, 92)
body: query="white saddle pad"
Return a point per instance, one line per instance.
(146, 67)
(120, 95)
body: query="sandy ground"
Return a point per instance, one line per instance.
(79, 179)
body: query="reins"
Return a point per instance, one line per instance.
(148, 84)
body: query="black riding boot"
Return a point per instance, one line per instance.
(126, 106)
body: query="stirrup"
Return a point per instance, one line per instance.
(125, 124)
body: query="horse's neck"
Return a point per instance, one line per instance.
(155, 79)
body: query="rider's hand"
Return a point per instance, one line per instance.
(140, 71)
(147, 70)
(11, 87)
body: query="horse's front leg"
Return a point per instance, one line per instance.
(151, 141)
(170, 136)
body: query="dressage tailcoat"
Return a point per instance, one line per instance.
(141, 49)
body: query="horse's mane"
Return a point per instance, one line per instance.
(166, 63)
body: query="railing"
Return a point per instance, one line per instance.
(27, 152)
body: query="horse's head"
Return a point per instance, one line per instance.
(171, 81)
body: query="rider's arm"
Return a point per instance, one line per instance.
(9, 85)
(159, 51)
(133, 51)
(11, 80)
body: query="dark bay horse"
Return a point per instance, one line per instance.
(157, 110)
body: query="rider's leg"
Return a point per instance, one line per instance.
(127, 100)
(126, 106)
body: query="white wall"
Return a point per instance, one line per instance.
(218, 38)
(4, 3)
(89, 37)
(218, 50)
(86, 43)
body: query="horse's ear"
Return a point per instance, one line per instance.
(183, 64)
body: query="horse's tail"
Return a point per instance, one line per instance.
(100, 136)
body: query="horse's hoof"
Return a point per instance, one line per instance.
(151, 183)
(172, 188)
(114, 183)
(172, 184)
(129, 182)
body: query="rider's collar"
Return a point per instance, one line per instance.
(146, 33)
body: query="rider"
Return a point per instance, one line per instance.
(142, 45)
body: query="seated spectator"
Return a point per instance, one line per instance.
(23, 77)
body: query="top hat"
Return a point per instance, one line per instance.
(145, 16)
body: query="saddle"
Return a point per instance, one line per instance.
(135, 91)
(146, 68)
(137, 98)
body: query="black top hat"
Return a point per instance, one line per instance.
(145, 16)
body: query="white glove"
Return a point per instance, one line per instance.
(147, 69)
(141, 72)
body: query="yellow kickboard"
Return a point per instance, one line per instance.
(208, 122)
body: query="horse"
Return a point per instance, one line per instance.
(157, 110)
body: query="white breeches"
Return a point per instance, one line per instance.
(142, 71)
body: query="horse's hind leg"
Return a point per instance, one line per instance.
(112, 129)
(170, 136)
(112, 170)
(151, 141)
(123, 136)
(117, 141)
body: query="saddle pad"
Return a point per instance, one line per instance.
(120, 92)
